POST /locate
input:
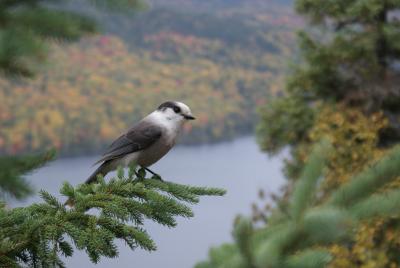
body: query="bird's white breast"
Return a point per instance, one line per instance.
(170, 131)
(171, 128)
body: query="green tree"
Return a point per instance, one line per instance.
(353, 57)
(12, 169)
(348, 76)
(38, 235)
(300, 233)
(26, 26)
(350, 54)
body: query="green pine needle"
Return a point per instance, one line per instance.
(301, 238)
(12, 182)
(102, 213)
(364, 184)
(311, 258)
(305, 188)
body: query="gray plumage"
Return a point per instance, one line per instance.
(147, 141)
(137, 138)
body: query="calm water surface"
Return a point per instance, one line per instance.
(237, 166)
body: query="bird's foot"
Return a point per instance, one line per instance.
(140, 174)
(138, 177)
(155, 175)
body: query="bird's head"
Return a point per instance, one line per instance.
(175, 111)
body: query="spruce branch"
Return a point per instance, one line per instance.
(12, 169)
(242, 234)
(310, 258)
(303, 238)
(378, 205)
(368, 181)
(270, 252)
(102, 213)
(306, 185)
(28, 26)
(325, 225)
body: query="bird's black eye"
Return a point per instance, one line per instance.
(177, 109)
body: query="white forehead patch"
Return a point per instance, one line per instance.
(185, 109)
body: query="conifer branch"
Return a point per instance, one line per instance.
(27, 26)
(310, 258)
(302, 240)
(378, 205)
(242, 234)
(305, 187)
(367, 182)
(12, 168)
(102, 213)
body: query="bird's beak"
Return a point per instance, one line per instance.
(189, 117)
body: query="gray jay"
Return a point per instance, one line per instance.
(146, 142)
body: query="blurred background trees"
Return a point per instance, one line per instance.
(40, 235)
(139, 61)
(345, 88)
(12, 171)
(27, 29)
(309, 232)
(350, 56)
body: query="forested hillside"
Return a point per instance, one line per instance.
(343, 99)
(226, 6)
(223, 59)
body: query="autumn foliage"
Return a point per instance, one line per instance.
(93, 90)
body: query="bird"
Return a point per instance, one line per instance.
(147, 141)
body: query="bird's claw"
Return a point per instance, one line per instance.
(139, 177)
(157, 177)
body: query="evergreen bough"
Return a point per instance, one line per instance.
(12, 170)
(26, 27)
(349, 54)
(299, 236)
(39, 234)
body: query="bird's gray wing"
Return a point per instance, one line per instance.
(138, 138)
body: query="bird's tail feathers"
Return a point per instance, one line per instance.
(102, 159)
(103, 169)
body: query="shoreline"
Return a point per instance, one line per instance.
(100, 149)
(92, 153)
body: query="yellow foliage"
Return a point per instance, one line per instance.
(373, 245)
(355, 140)
(354, 137)
(97, 88)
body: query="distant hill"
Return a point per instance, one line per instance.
(224, 58)
(222, 5)
(235, 22)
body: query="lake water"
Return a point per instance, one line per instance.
(237, 166)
